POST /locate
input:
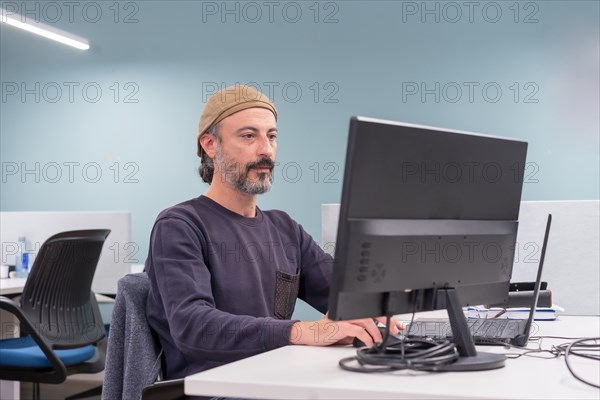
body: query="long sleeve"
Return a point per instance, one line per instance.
(222, 285)
(182, 281)
(317, 267)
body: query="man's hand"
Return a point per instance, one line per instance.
(326, 332)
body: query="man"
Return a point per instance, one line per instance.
(224, 274)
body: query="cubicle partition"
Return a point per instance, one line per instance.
(118, 253)
(573, 256)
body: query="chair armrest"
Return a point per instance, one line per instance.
(12, 307)
(164, 390)
(9, 305)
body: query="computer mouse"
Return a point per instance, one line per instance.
(391, 341)
(358, 343)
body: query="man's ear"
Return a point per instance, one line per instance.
(208, 143)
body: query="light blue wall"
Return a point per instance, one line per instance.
(363, 60)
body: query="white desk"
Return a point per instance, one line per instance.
(303, 372)
(12, 286)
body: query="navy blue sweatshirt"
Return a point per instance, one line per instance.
(221, 283)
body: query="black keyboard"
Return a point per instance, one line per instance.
(489, 328)
(483, 331)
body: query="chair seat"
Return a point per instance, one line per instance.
(24, 352)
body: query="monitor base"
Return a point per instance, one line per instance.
(480, 362)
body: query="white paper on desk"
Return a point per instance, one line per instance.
(541, 313)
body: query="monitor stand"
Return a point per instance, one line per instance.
(470, 359)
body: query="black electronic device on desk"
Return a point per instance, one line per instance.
(428, 221)
(393, 340)
(491, 330)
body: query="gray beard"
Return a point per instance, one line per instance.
(233, 175)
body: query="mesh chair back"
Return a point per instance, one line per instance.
(57, 297)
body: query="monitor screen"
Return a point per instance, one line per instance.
(424, 209)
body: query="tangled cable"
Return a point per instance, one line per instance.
(429, 355)
(415, 354)
(580, 349)
(576, 347)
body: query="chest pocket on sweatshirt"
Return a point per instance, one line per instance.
(286, 292)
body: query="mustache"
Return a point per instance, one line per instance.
(264, 162)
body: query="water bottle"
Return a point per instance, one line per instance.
(22, 259)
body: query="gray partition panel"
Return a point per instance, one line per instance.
(572, 267)
(117, 254)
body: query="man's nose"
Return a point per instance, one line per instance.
(266, 148)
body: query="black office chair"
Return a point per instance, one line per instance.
(134, 357)
(59, 312)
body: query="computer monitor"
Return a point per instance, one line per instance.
(428, 220)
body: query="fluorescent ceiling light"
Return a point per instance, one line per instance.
(44, 30)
